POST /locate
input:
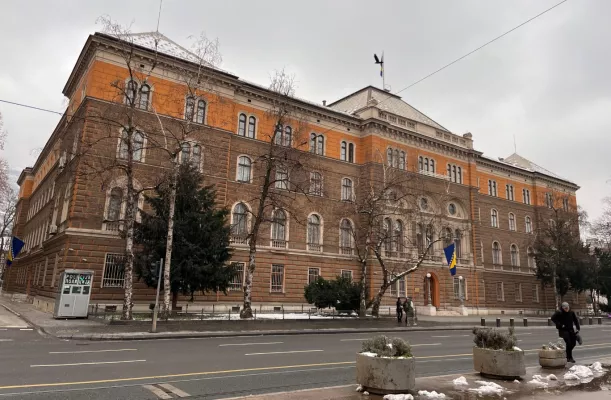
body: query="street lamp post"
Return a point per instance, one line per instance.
(428, 287)
(461, 295)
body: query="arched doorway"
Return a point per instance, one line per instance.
(431, 290)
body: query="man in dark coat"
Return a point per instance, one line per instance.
(399, 309)
(564, 320)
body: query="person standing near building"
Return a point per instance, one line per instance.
(564, 320)
(399, 310)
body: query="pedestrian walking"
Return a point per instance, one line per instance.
(399, 310)
(564, 320)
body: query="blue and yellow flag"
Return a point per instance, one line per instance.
(16, 246)
(450, 252)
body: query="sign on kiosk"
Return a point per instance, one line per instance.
(73, 294)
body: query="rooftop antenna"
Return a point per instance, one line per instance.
(381, 62)
(515, 147)
(159, 15)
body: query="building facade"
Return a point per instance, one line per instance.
(72, 199)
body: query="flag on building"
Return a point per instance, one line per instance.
(381, 62)
(450, 252)
(16, 246)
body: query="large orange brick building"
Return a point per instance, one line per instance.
(66, 216)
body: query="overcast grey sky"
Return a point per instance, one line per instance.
(546, 83)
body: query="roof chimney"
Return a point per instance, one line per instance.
(324, 103)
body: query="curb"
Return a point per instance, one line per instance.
(40, 329)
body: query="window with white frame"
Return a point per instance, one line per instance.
(515, 255)
(528, 225)
(185, 152)
(509, 192)
(492, 189)
(565, 203)
(279, 228)
(137, 139)
(497, 258)
(244, 169)
(242, 125)
(518, 292)
(277, 278)
(458, 243)
(140, 98)
(535, 292)
(314, 234)
(317, 144)
(252, 125)
(237, 280)
(526, 196)
(460, 288)
(145, 94)
(283, 136)
(512, 222)
(282, 178)
(114, 210)
(500, 291)
(114, 270)
(347, 190)
(454, 173)
(531, 258)
(548, 200)
(402, 286)
(239, 223)
(347, 151)
(396, 158)
(345, 236)
(393, 287)
(247, 126)
(313, 274)
(426, 164)
(399, 237)
(494, 218)
(347, 274)
(316, 183)
(195, 109)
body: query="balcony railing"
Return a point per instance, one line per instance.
(315, 247)
(434, 175)
(347, 251)
(279, 243)
(239, 239)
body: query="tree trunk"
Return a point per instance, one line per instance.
(246, 311)
(129, 252)
(556, 296)
(169, 241)
(363, 305)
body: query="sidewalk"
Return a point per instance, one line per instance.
(94, 329)
(443, 384)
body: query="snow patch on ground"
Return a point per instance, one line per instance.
(539, 381)
(515, 348)
(365, 393)
(359, 388)
(578, 372)
(462, 381)
(597, 367)
(488, 388)
(552, 377)
(398, 397)
(368, 354)
(431, 395)
(516, 381)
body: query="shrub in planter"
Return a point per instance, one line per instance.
(495, 354)
(386, 366)
(552, 355)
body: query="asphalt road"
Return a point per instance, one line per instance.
(36, 367)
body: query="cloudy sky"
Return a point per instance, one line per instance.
(548, 83)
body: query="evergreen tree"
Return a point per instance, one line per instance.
(200, 251)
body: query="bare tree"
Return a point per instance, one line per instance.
(8, 203)
(601, 228)
(388, 198)
(280, 173)
(4, 183)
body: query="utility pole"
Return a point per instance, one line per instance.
(156, 309)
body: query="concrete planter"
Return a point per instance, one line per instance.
(386, 375)
(552, 358)
(499, 363)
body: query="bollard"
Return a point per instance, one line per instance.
(589, 320)
(498, 322)
(600, 320)
(483, 322)
(230, 314)
(255, 313)
(282, 312)
(213, 309)
(511, 322)
(202, 313)
(525, 321)
(549, 322)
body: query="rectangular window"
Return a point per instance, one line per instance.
(44, 274)
(277, 281)
(114, 271)
(459, 288)
(347, 274)
(282, 179)
(518, 292)
(535, 293)
(565, 204)
(393, 287)
(402, 287)
(313, 274)
(237, 281)
(509, 192)
(500, 292)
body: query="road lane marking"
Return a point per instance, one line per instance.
(425, 344)
(6, 340)
(450, 336)
(247, 344)
(283, 352)
(86, 363)
(174, 390)
(157, 392)
(25, 329)
(90, 351)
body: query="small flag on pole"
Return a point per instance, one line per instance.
(450, 252)
(381, 62)
(16, 246)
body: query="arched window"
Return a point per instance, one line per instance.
(387, 236)
(399, 236)
(252, 121)
(190, 108)
(244, 169)
(239, 219)
(138, 146)
(449, 171)
(114, 205)
(395, 160)
(426, 164)
(288, 136)
(402, 164)
(420, 238)
(196, 157)
(351, 152)
(529, 226)
(494, 218)
(429, 235)
(459, 176)
(389, 154)
(347, 194)
(317, 144)
(312, 142)
(432, 165)
(512, 222)
(185, 152)
(314, 237)
(496, 253)
(201, 112)
(130, 92)
(515, 255)
(343, 152)
(345, 236)
(282, 178)
(279, 229)
(242, 125)
(278, 135)
(531, 258)
(316, 183)
(458, 242)
(145, 94)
